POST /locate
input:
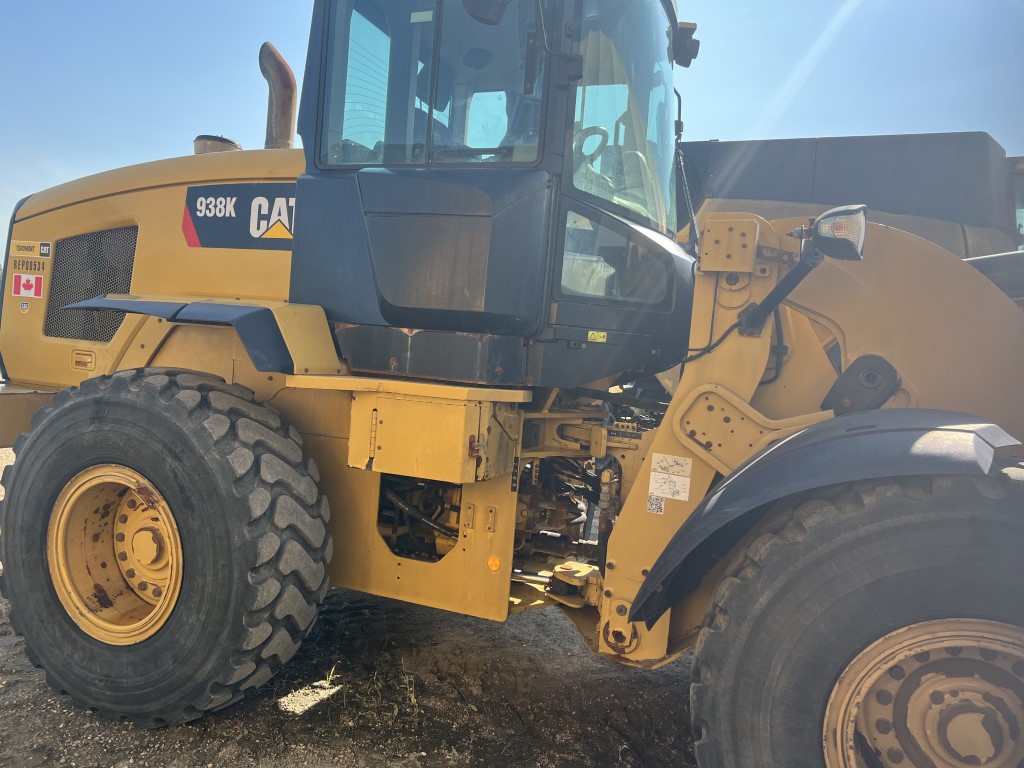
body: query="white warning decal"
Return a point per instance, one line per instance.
(670, 486)
(670, 479)
(672, 465)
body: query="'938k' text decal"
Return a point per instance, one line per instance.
(240, 216)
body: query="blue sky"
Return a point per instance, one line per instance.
(92, 86)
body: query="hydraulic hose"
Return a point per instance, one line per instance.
(432, 524)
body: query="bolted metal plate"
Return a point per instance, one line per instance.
(728, 245)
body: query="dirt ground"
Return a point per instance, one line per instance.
(382, 683)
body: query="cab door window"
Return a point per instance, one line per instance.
(380, 73)
(417, 81)
(490, 78)
(366, 87)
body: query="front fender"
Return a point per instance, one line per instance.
(862, 446)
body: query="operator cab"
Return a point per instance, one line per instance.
(490, 188)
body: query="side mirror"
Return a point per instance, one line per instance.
(489, 12)
(839, 233)
(684, 46)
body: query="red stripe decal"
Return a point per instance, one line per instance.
(188, 229)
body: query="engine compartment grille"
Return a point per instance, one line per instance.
(84, 267)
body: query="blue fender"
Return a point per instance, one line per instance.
(862, 446)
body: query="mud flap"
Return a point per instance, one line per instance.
(17, 404)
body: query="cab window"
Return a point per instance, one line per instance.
(379, 75)
(602, 263)
(418, 81)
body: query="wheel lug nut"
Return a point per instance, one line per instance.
(130, 573)
(143, 586)
(132, 503)
(119, 537)
(157, 592)
(123, 518)
(895, 755)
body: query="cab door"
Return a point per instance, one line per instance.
(426, 203)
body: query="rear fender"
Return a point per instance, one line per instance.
(279, 337)
(862, 446)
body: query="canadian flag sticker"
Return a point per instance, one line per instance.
(30, 286)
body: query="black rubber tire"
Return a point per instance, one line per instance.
(823, 578)
(253, 528)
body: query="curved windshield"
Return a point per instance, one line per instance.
(623, 139)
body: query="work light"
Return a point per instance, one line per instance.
(839, 233)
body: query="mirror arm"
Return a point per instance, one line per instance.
(753, 318)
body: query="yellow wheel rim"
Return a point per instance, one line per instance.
(114, 554)
(941, 694)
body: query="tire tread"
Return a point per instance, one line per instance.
(285, 521)
(778, 538)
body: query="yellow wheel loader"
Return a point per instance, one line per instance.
(451, 352)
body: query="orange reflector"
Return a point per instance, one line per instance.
(494, 563)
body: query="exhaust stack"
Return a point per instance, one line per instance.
(282, 100)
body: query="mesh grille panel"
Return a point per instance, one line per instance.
(85, 267)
